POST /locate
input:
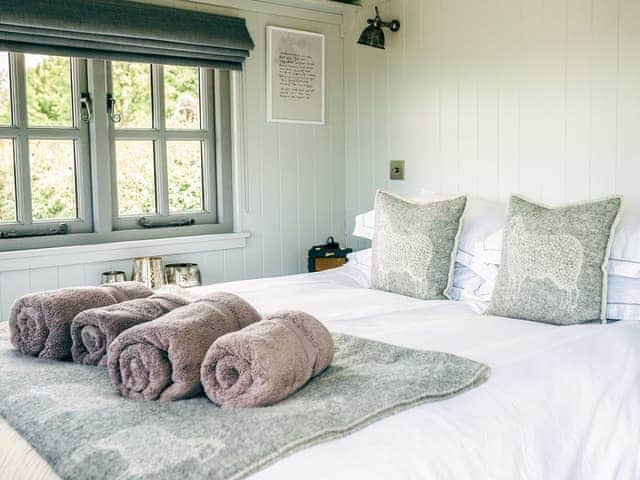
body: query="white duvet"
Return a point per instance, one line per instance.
(561, 403)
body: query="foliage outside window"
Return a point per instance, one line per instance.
(42, 144)
(162, 148)
(161, 144)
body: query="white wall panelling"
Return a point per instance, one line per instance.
(539, 97)
(294, 175)
(495, 97)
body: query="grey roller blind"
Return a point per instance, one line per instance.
(123, 30)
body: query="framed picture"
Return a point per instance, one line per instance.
(295, 76)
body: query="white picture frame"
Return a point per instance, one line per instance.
(295, 76)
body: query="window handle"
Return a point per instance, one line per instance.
(61, 229)
(181, 222)
(111, 107)
(87, 107)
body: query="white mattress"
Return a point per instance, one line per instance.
(562, 402)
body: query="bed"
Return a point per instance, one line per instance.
(562, 402)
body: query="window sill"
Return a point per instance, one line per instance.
(73, 255)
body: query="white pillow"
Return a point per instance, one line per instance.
(492, 248)
(481, 219)
(616, 311)
(365, 222)
(364, 226)
(623, 298)
(361, 258)
(467, 285)
(623, 291)
(623, 294)
(624, 260)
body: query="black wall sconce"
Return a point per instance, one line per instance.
(373, 35)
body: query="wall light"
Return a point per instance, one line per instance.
(373, 35)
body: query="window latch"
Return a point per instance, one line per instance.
(181, 222)
(61, 229)
(111, 109)
(86, 107)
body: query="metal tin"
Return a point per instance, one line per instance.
(149, 271)
(183, 274)
(114, 277)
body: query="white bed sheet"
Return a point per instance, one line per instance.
(561, 403)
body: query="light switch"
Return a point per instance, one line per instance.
(396, 170)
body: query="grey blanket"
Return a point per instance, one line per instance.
(41, 322)
(267, 361)
(160, 360)
(84, 429)
(93, 330)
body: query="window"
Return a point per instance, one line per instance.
(155, 140)
(163, 145)
(44, 160)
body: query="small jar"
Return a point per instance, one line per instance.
(113, 277)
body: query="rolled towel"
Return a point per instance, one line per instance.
(161, 359)
(267, 361)
(40, 323)
(93, 330)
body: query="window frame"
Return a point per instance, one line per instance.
(223, 115)
(20, 132)
(159, 135)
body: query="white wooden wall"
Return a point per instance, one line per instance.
(217, 266)
(539, 97)
(296, 186)
(295, 177)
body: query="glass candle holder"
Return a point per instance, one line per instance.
(113, 277)
(184, 275)
(149, 271)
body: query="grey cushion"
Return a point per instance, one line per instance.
(554, 262)
(414, 245)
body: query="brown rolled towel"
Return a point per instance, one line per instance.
(161, 359)
(40, 323)
(93, 330)
(267, 361)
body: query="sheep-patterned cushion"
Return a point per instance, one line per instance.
(554, 262)
(414, 245)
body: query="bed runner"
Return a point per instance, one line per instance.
(76, 421)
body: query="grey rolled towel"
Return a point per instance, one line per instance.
(40, 323)
(93, 330)
(267, 361)
(161, 359)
